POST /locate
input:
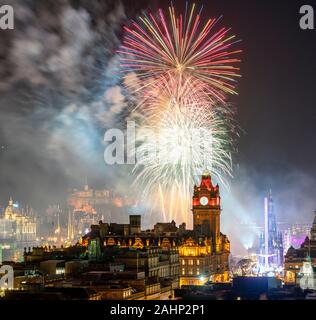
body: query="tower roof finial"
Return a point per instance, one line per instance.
(206, 173)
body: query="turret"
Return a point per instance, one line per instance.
(313, 229)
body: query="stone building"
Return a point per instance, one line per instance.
(205, 251)
(296, 260)
(17, 230)
(154, 253)
(124, 262)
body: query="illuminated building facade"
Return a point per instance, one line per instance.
(148, 260)
(204, 256)
(204, 251)
(17, 230)
(135, 242)
(296, 260)
(122, 261)
(294, 235)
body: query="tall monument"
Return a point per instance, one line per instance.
(271, 240)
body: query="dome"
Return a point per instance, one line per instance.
(11, 211)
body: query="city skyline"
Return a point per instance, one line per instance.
(124, 261)
(264, 152)
(151, 149)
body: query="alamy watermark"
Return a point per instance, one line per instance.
(307, 17)
(6, 17)
(163, 146)
(6, 277)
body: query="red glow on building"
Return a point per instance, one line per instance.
(206, 190)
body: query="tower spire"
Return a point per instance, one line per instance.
(313, 229)
(86, 186)
(206, 173)
(70, 225)
(271, 246)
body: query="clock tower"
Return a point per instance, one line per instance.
(206, 209)
(204, 253)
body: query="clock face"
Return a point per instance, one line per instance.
(204, 201)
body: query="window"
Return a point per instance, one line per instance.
(183, 262)
(60, 270)
(198, 262)
(197, 271)
(183, 271)
(191, 262)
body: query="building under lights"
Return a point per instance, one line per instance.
(294, 235)
(203, 251)
(17, 230)
(204, 256)
(297, 261)
(122, 261)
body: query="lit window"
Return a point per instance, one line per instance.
(183, 262)
(183, 271)
(60, 270)
(198, 271)
(191, 262)
(197, 262)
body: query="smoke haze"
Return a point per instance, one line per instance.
(60, 90)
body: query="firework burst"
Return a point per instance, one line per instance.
(179, 46)
(183, 72)
(175, 146)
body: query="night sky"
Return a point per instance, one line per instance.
(56, 83)
(277, 93)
